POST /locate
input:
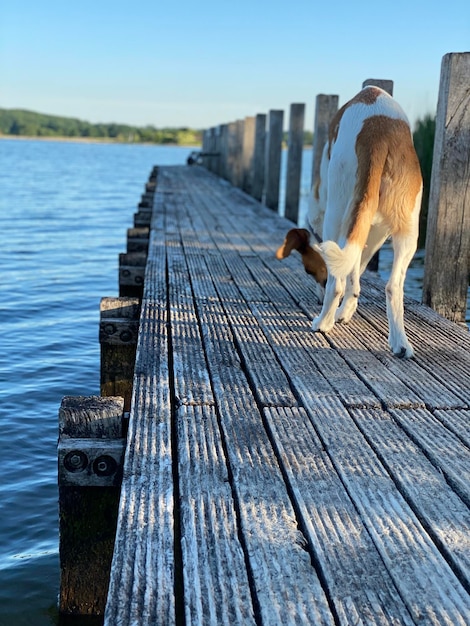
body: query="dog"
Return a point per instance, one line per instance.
(370, 188)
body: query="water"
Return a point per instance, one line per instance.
(64, 211)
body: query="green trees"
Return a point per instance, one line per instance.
(423, 137)
(23, 123)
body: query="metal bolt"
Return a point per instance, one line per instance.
(75, 461)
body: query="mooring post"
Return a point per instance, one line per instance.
(325, 109)
(259, 157)
(295, 146)
(221, 145)
(119, 329)
(231, 151)
(273, 158)
(383, 83)
(138, 240)
(447, 256)
(238, 174)
(132, 273)
(90, 458)
(248, 152)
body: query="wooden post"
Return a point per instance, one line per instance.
(273, 158)
(294, 160)
(132, 274)
(231, 151)
(325, 109)
(238, 173)
(249, 128)
(383, 83)
(447, 260)
(259, 157)
(215, 150)
(223, 147)
(119, 329)
(386, 85)
(205, 145)
(90, 458)
(138, 240)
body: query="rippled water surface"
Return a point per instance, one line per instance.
(65, 208)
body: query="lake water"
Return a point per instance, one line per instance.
(65, 209)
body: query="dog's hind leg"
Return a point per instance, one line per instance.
(351, 296)
(404, 248)
(333, 293)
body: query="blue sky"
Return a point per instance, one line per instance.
(201, 63)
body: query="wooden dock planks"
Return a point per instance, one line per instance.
(274, 475)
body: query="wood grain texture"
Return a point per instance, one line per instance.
(274, 475)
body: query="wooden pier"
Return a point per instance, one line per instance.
(274, 475)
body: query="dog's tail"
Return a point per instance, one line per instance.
(371, 163)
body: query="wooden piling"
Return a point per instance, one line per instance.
(137, 240)
(248, 152)
(131, 274)
(383, 83)
(90, 457)
(231, 152)
(119, 328)
(273, 158)
(259, 157)
(294, 161)
(447, 261)
(325, 109)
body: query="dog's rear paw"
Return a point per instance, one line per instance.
(319, 324)
(402, 351)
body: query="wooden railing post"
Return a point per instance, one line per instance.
(383, 83)
(231, 151)
(259, 157)
(249, 128)
(223, 133)
(294, 161)
(273, 158)
(325, 109)
(90, 458)
(447, 257)
(238, 174)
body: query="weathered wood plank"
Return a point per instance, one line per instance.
(216, 585)
(298, 499)
(458, 422)
(308, 359)
(441, 446)
(357, 580)
(428, 586)
(273, 543)
(424, 486)
(145, 534)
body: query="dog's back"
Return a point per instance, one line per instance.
(374, 178)
(370, 189)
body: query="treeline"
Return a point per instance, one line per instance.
(21, 123)
(423, 137)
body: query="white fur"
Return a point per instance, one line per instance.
(346, 252)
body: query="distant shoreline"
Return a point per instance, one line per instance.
(96, 140)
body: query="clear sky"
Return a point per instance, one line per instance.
(201, 63)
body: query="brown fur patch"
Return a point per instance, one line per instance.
(299, 239)
(388, 177)
(368, 95)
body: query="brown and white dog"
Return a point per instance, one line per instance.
(370, 189)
